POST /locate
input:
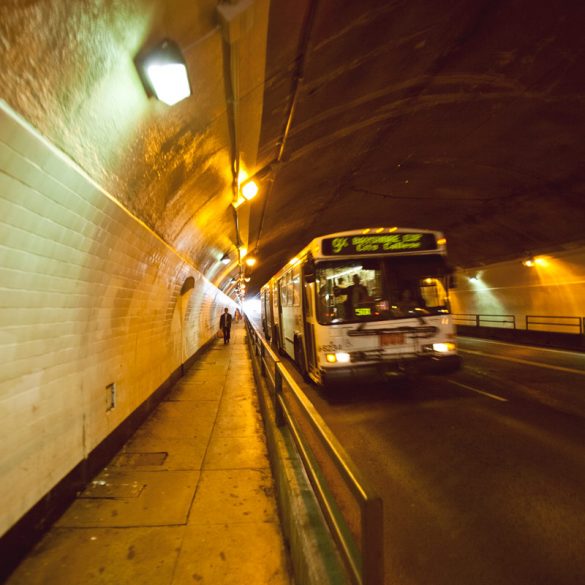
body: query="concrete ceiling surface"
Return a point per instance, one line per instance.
(466, 116)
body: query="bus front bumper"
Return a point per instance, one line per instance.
(383, 370)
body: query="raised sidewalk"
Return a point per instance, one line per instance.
(189, 499)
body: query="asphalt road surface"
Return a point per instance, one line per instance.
(482, 472)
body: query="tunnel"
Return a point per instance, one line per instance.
(130, 221)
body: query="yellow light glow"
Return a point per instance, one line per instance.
(331, 358)
(537, 261)
(294, 261)
(366, 231)
(379, 230)
(392, 229)
(540, 261)
(239, 201)
(250, 190)
(250, 261)
(428, 280)
(242, 176)
(170, 82)
(442, 241)
(243, 251)
(444, 347)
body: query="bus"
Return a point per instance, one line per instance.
(364, 305)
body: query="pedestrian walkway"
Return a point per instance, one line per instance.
(189, 499)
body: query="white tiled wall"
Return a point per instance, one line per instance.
(88, 297)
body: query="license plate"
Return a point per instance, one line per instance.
(391, 338)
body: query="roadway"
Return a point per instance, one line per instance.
(482, 472)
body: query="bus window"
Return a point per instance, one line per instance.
(283, 291)
(289, 294)
(295, 286)
(373, 289)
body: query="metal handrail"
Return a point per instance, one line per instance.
(368, 567)
(477, 319)
(570, 321)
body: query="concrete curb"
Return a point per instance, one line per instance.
(313, 551)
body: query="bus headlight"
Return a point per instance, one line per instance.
(341, 356)
(444, 347)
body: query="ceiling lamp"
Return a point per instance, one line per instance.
(249, 190)
(164, 73)
(250, 261)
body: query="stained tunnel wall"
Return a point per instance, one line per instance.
(555, 288)
(89, 297)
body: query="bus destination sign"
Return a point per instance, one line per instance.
(378, 244)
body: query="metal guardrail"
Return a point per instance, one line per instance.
(575, 323)
(352, 510)
(550, 323)
(482, 320)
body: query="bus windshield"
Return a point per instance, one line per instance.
(377, 289)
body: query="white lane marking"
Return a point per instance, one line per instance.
(479, 391)
(526, 362)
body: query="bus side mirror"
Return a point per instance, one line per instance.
(309, 271)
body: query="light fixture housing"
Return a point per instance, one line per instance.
(250, 261)
(164, 73)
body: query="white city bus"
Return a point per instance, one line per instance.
(364, 305)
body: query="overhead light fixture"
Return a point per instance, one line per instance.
(164, 73)
(474, 277)
(250, 261)
(249, 190)
(535, 261)
(225, 259)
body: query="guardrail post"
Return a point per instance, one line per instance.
(278, 414)
(477, 321)
(262, 365)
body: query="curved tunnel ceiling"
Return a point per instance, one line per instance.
(466, 116)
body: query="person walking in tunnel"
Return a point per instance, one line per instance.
(225, 324)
